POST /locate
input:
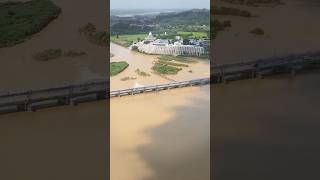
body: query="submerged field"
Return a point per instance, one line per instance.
(19, 20)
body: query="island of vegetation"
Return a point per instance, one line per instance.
(257, 31)
(141, 73)
(50, 54)
(165, 69)
(117, 67)
(20, 20)
(100, 38)
(228, 11)
(256, 3)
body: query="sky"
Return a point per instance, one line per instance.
(159, 4)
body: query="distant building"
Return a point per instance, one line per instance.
(149, 38)
(152, 45)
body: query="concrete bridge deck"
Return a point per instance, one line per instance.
(75, 94)
(98, 90)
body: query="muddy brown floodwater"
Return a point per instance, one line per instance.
(144, 62)
(19, 71)
(158, 136)
(268, 129)
(58, 143)
(162, 135)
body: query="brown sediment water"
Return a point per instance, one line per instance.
(63, 142)
(289, 28)
(19, 71)
(268, 129)
(58, 143)
(144, 62)
(163, 135)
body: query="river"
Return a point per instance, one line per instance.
(262, 129)
(268, 129)
(163, 135)
(64, 142)
(144, 62)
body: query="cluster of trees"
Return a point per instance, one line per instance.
(196, 17)
(255, 2)
(230, 11)
(100, 38)
(192, 20)
(127, 28)
(50, 54)
(257, 31)
(217, 26)
(18, 20)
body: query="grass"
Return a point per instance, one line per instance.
(117, 67)
(127, 40)
(141, 73)
(194, 35)
(128, 78)
(181, 59)
(20, 20)
(172, 63)
(165, 69)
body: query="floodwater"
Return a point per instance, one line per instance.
(164, 135)
(19, 71)
(58, 143)
(144, 62)
(268, 129)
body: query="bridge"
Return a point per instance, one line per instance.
(161, 87)
(75, 94)
(99, 90)
(224, 73)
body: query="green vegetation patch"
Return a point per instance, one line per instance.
(117, 67)
(141, 73)
(127, 40)
(172, 63)
(165, 69)
(256, 3)
(19, 20)
(181, 59)
(194, 35)
(257, 31)
(100, 38)
(217, 26)
(50, 54)
(228, 11)
(128, 78)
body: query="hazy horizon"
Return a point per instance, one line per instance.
(156, 5)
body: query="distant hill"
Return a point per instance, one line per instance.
(178, 21)
(190, 17)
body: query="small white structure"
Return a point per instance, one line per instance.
(150, 38)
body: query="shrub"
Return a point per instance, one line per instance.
(257, 31)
